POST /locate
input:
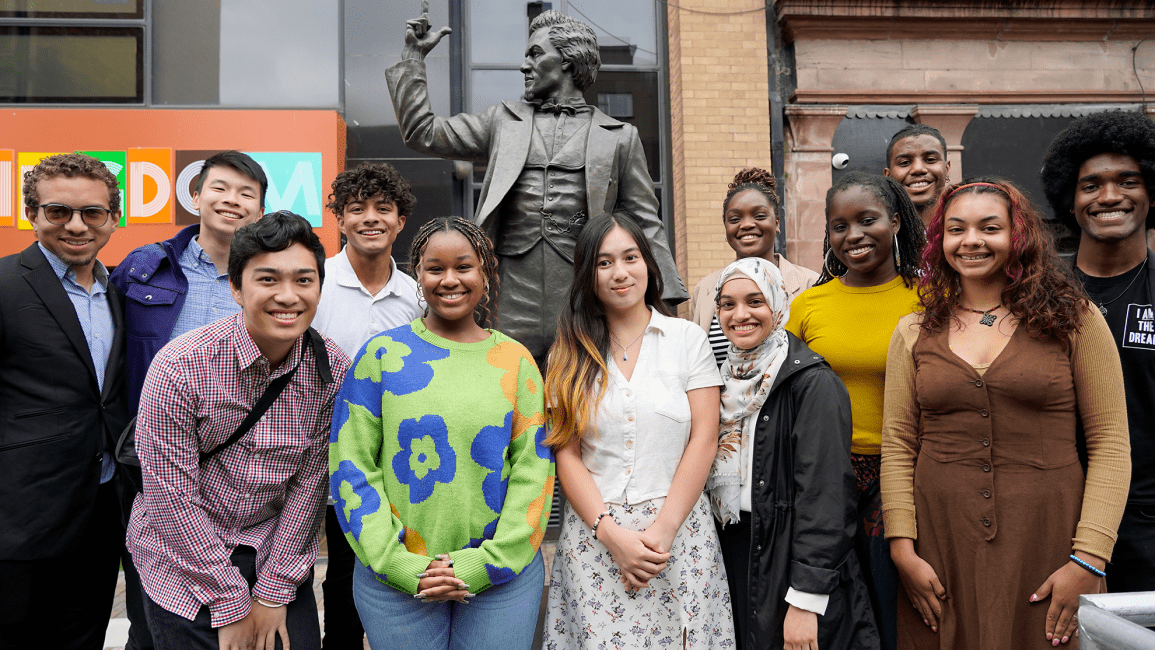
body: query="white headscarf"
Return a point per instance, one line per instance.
(747, 376)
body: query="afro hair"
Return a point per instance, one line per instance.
(1121, 132)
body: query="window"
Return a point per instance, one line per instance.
(71, 64)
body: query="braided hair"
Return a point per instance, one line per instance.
(481, 245)
(753, 178)
(911, 234)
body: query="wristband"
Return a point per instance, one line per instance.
(266, 603)
(1088, 566)
(598, 521)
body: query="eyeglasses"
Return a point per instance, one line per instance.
(60, 214)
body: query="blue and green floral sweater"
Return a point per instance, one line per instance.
(437, 447)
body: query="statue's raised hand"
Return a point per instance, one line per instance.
(420, 39)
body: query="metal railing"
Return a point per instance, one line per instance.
(1117, 621)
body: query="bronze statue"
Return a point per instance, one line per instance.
(553, 161)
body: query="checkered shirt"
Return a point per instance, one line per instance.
(266, 491)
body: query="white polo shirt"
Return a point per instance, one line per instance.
(350, 315)
(642, 426)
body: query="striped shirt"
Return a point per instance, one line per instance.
(266, 491)
(95, 318)
(719, 344)
(209, 297)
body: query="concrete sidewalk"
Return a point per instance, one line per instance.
(117, 634)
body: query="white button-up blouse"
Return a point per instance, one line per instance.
(642, 425)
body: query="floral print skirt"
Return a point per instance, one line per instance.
(589, 606)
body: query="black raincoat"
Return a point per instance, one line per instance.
(803, 523)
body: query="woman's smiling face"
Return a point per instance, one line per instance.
(976, 240)
(744, 314)
(861, 232)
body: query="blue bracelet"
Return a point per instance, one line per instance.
(1088, 566)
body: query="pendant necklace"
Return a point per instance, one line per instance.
(623, 347)
(988, 318)
(1103, 305)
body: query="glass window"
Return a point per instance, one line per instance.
(632, 97)
(244, 55)
(67, 64)
(498, 30)
(72, 8)
(626, 32)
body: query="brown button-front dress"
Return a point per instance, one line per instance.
(997, 487)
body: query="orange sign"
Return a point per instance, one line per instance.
(150, 187)
(301, 152)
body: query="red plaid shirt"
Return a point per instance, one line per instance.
(266, 491)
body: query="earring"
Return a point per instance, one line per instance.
(826, 264)
(897, 254)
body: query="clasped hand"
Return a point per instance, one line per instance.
(639, 555)
(438, 583)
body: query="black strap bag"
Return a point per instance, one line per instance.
(125, 451)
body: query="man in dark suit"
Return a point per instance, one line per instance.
(553, 162)
(64, 401)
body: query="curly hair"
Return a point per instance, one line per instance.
(753, 178)
(1040, 291)
(367, 181)
(913, 131)
(1121, 132)
(577, 44)
(481, 245)
(911, 233)
(70, 165)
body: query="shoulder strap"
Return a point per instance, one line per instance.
(276, 387)
(267, 398)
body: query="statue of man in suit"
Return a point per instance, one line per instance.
(552, 162)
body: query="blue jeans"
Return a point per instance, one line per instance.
(502, 617)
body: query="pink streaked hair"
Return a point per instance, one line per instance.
(1039, 291)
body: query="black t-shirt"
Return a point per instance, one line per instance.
(1131, 317)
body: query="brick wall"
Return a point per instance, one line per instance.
(720, 119)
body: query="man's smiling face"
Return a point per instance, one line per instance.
(228, 200)
(1111, 200)
(919, 164)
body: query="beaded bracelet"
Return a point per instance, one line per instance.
(1088, 566)
(598, 521)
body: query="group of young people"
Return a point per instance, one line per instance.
(927, 444)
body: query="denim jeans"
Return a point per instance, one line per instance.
(502, 617)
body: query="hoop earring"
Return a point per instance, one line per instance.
(897, 254)
(826, 264)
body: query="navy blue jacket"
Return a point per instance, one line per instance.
(151, 279)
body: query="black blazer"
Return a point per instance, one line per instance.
(54, 421)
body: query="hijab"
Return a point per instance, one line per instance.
(747, 377)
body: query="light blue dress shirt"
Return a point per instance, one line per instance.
(209, 297)
(95, 316)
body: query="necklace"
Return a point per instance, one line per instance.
(623, 347)
(988, 318)
(1103, 305)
